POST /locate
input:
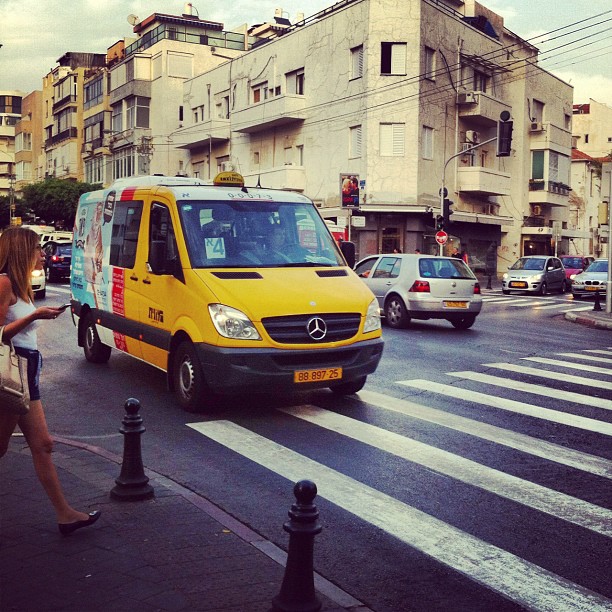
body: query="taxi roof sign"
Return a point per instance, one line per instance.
(229, 179)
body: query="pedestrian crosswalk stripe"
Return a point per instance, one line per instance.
(585, 357)
(498, 299)
(516, 385)
(596, 383)
(553, 306)
(580, 309)
(599, 352)
(532, 495)
(527, 584)
(571, 365)
(527, 444)
(528, 304)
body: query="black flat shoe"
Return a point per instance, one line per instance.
(68, 528)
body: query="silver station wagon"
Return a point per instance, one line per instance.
(415, 286)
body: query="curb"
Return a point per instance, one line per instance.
(325, 587)
(589, 321)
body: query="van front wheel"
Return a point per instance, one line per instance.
(349, 388)
(189, 384)
(95, 351)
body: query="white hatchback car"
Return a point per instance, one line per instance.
(415, 286)
(39, 283)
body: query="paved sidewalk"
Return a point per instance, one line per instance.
(175, 552)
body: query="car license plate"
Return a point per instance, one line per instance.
(591, 288)
(518, 284)
(455, 304)
(306, 376)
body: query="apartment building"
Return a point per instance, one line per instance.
(592, 128)
(386, 96)
(10, 113)
(29, 141)
(62, 113)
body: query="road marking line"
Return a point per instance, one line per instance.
(599, 352)
(534, 446)
(527, 303)
(596, 383)
(581, 309)
(587, 367)
(526, 583)
(498, 299)
(525, 492)
(585, 357)
(551, 306)
(516, 385)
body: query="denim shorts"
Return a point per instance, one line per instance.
(34, 359)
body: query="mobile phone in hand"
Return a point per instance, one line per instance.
(64, 306)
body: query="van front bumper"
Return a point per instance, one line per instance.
(232, 371)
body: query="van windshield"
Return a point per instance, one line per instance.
(254, 234)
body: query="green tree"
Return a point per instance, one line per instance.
(55, 200)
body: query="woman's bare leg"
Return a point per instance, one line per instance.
(8, 422)
(34, 428)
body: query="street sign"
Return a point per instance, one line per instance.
(358, 221)
(441, 237)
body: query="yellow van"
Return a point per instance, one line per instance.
(228, 289)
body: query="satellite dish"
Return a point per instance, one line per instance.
(132, 19)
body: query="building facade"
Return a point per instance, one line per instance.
(10, 114)
(385, 96)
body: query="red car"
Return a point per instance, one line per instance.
(575, 264)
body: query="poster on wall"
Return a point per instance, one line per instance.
(349, 190)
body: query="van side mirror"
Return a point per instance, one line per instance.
(348, 250)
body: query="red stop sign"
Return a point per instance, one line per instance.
(441, 237)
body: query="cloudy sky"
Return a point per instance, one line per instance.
(35, 33)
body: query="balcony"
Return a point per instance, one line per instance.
(548, 192)
(288, 177)
(547, 136)
(204, 134)
(483, 181)
(480, 108)
(270, 113)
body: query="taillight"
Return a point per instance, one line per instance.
(476, 288)
(420, 286)
(54, 258)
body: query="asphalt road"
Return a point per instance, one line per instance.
(472, 473)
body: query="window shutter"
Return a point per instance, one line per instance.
(398, 139)
(398, 59)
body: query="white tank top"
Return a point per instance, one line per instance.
(26, 338)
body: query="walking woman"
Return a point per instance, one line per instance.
(19, 255)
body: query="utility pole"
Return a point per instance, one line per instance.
(12, 179)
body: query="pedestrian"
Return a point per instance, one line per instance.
(456, 253)
(417, 251)
(20, 254)
(397, 250)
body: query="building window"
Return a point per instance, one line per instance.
(93, 93)
(357, 62)
(480, 81)
(123, 163)
(392, 139)
(260, 92)
(300, 155)
(223, 108)
(537, 165)
(355, 141)
(429, 71)
(117, 119)
(137, 112)
(427, 142)
(295, 82)
(537, 111)
(393, 58)
(586, 139)
(288, 156)
(256, 158)
(94, 170)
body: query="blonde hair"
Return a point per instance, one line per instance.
(18, 257)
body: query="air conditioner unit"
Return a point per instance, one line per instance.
(467, 98)
(535, 126)
(472, 136)
(537, 210)
(467, 145)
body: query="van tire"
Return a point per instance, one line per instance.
(95, 351)
(189, 385)
(349, 388)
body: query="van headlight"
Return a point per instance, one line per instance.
(232, 323)
(372, 320)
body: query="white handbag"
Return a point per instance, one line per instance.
(14, 394)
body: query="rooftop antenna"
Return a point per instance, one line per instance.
(132, 19)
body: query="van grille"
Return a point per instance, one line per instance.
(293, 329)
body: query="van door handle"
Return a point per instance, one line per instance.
(146, 281)
(134, 278)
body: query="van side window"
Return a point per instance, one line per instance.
(162, 231)
(124, 239)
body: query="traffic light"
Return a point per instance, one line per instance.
(439, 222)
(447, 211)
(504, 138)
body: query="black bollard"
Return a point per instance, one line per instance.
(597, 305)
(132, 484)
(489, 283)
(297, 593)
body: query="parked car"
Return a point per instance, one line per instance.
(416, 286)
(39, 284)
(593, 279)
(535, 274)
(575, 264)
(58, 258)
(55, 236)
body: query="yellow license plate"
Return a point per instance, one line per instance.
(306, 376)
(518, 284)
(455, 304)
(591, 288)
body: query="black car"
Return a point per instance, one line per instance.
(58, 257)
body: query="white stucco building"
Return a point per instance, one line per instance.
(388, 92)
